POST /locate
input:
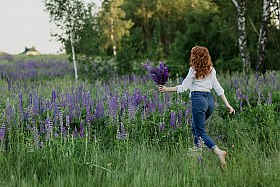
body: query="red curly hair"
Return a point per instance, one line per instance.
(201, 62)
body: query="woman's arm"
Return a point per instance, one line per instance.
(231, 110)
(167, 89)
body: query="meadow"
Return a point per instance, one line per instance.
(123, 132)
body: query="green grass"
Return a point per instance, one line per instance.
(144, 165)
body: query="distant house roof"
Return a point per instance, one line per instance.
(2, 52)
(29, 49)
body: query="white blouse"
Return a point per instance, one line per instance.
(206, 84)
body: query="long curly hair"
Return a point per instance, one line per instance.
(201, 62)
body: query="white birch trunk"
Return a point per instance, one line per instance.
(112, 28)
(263, 37)
(242, 37)
(73, 52)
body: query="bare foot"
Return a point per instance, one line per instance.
(223, 161)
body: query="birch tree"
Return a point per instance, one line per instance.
(269, 6)
(68, 16)
(242, 38)
(113, 23)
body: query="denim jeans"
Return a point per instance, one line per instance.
(202, 108)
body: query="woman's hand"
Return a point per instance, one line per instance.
(162, 88)
(231, 110)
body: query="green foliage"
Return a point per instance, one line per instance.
(178, 62)
(155, 51)
(87, 39)
(260, 123)
(92, 70)
(130, 52)
(235, 64)
(67, 15)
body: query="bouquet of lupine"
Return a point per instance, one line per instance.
(159, 74)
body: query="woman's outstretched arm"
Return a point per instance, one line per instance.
(162, 88)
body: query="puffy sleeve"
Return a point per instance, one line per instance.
(216, 85)
(186, 82)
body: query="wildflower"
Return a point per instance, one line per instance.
(232, 146)
(200, 160)
(159, 74)
(172, 122)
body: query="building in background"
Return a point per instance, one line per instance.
(30, 51)
(2, 52)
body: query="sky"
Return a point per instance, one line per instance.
(23, 23)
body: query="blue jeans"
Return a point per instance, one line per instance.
(202, 108)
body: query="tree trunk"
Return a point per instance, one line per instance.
(112, 29)
(73, 52)
(263, 37)
(242, 38)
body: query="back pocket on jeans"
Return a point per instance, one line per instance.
(199, 103)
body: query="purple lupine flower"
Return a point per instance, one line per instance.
(30, 98)
(75, 133)
(36, 137)
(2, 133)
(159, 74)
(181, 117)
(60, 114)
(172, 122)
(88, 121)
(160, 128)
(269, 99)
(28, 127)
(236, 83)
(216, 102)
(67, 121)
(42, 144)
(40, 106)
(42, 128)
(20, 106)
(247, 100)
(241, 107)
(122, 134)
(200, 160)
(160, 107)
(64, 132)
(78, 112)
(53, 96)
(220, 136)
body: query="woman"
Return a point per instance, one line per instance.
(200, 80)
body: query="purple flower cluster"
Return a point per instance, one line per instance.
(159, 74)
(200, 160)
(172, 122)
(161, 126)
(2, 133)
